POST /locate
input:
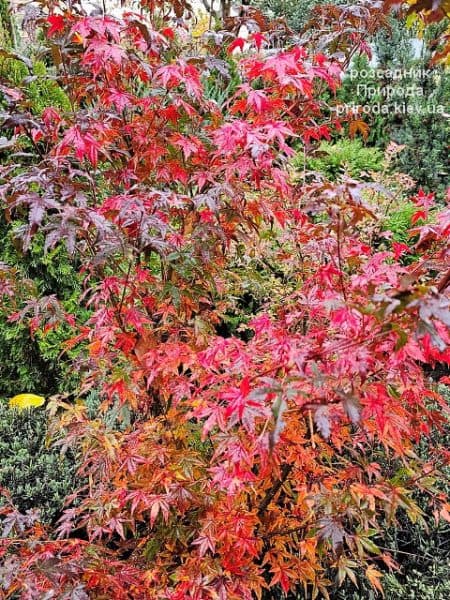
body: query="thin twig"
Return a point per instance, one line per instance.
(271, 492)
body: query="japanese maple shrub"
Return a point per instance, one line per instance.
(247, 465)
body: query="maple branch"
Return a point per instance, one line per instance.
(394, 551)
(33, 143)
(339, 256)
(444, 282)
(299, 528)
(210, 10)
(276, 272)
(125, 286)
(272, 491)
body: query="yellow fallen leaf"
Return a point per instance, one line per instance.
(22, 401)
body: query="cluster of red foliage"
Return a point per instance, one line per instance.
(249, 464)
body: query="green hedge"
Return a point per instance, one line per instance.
(35, 363)
(36, 475)
(334, 159)
(40, 90)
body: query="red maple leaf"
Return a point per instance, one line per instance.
(57, 24)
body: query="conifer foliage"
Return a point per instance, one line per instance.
(217, 467)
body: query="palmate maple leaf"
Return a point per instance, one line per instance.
(99, 52)
(205, 543)
(119, 98)
(103, 26)
(243, 406)
(38, 206)
(57, 24)
(84, 144)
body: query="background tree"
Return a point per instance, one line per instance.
(218, 465)
(297, 13)
(7, 32)
(415, 101)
